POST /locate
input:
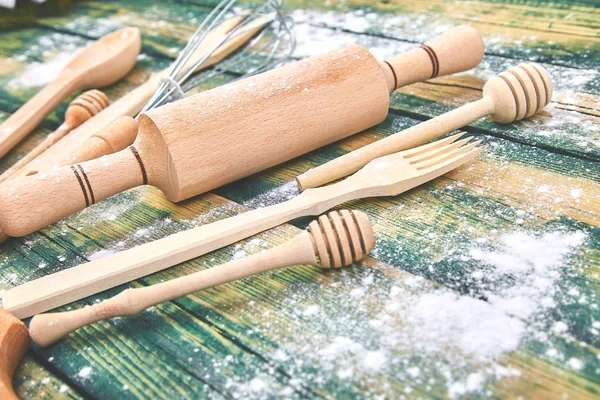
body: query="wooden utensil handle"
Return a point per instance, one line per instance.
(116, 137)
(406, 139)
(46, 329)
(29, 204)
(456, 50)
(26, 118)
(49, 141)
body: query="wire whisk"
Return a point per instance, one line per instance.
(267, 34)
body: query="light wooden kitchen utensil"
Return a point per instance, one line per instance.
(82, 108)
(258, 40)
(14, 342)
(102, 63)
(511, 96)
(385, 176)
(204, 141)
(334, 240)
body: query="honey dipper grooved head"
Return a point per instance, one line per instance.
(342, 238)
(86, 105)
(519, 92)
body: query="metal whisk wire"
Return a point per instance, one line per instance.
(274, 44)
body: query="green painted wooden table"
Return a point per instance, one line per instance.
(484, 283)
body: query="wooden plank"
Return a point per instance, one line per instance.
(556, 33)
(35, 381)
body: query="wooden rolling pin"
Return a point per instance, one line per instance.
(385, 176)
(102, 63)
(105, 134)
(204, 141)
(82, 108)
(14, 342)
(511, 96)
(347, 235)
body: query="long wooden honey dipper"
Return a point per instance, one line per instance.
(511, 96)
(333, 241)
(204, 141)
(82, 108)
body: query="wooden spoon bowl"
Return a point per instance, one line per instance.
(104, 61)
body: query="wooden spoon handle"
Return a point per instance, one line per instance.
(46, 329)
(31, 203)
(26, 118)
(456, 50)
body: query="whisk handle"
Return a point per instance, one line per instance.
(456, 50)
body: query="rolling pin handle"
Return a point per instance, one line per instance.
(456, 50)
(31, 203)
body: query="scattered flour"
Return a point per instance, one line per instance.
(422, 335)
(101, 253)
(84, 372)
(42, 73)
(282, 193)
(56, 50)
(533, 264)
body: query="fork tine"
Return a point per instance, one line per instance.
(445, 155)
(426, 147)
(437, 151)
(454, 162)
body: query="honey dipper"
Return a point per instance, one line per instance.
(334, 240)
(82, 108)
(204, 141)
(514, 94)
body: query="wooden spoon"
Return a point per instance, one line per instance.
(102, 63)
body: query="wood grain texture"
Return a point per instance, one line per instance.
(254, 330)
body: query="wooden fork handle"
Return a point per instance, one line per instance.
(31, 203)
(406, 139)
(456, 50)
(26, 118)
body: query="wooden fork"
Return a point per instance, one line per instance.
(384, 176)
